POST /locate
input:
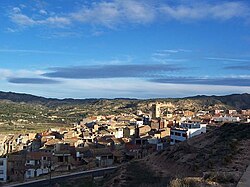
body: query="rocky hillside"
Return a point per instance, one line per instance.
(217, 158)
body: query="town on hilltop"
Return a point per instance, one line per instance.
(103, 141)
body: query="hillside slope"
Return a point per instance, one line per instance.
(238, 101)
(217, 158)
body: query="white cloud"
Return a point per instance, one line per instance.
(16, 10)
(162, 56)
(36, 52)
(198, 11)
(56, 21)
(136, 11)
(114, 13)
(11, 30)
(43, 12)
(112, 88)
(5, 73)
(24, 20)
(104, 13)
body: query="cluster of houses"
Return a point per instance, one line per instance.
(101, 141)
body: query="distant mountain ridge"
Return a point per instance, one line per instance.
(28, 98)
(237, 101)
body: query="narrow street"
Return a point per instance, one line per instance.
(54, 180)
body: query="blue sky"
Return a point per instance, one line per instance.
(125, 48)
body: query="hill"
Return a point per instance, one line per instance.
(236, 101)
(217, 158)
(28, 98)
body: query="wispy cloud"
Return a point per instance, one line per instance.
(32, 81)
(165, 55)
(228, 59)
(244, 67)
(36, 52)
(223, 81)
(199, 11)
(112, 71)
(24, 20)
(112, 13)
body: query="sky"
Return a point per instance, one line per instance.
(125, 48)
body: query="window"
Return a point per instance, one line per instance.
(1, 171)
(66, 159)
(178, 134)
(1, 179)
(1, 162)
(29, 172)
(60, 159)
(172, 133)
(172, 140)
(184, 135)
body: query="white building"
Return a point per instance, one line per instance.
(225, 119)
(185, 131)
(3, 170)
(119, 133)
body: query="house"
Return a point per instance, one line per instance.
(128, 131)
(3, 170)
(63, 157)
(104, 157)
(138, 122)
(163, 133)
(11, 143)
(188, 113)
(155, 124)
(144, 129)
(245, 112)
(231, 112)
(106, 141)
(225, 119)
(135, 151)
(217, 111)
(16, 166)
(37, 163)
(82, 154)
(119, 133)
(185, 131)
(3, 147)
(118, 143)
(76, 142)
